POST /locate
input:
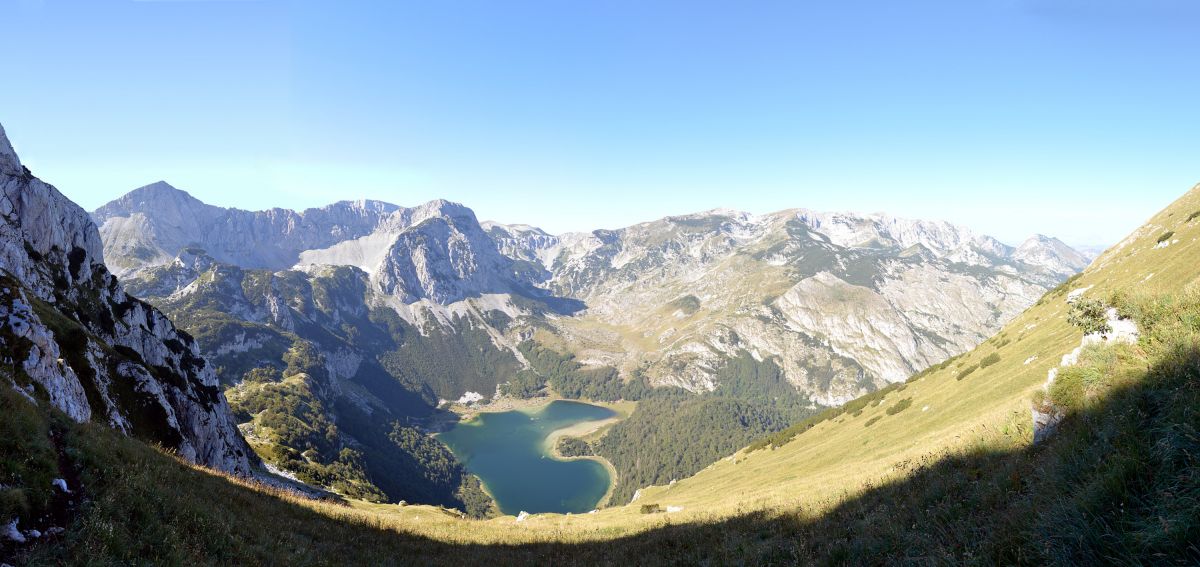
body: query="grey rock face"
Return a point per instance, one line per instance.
(1039, 258)
(444, 261)
(1050, 254)
(9, 163)
(678, 296)
(843, 303)
(98, 353)
(152, 224)
(435, 251)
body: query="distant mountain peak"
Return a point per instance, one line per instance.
(721, 212)
(154, 197)
(160, 185)
(366, 205)
(1050, 253)
(875, 229)
(1042, 238)
(513, 228)
(442, 208)
(160, 190)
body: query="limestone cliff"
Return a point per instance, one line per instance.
(73, 339)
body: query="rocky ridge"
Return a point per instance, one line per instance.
(76, 341)
(842, 303)
(768, 284)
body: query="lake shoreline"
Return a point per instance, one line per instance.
(503, 404)
(581, 430)
(546, 446)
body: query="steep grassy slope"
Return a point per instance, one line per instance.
(941, 470)
(986, 408)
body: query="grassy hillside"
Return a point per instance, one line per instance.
(941, 469)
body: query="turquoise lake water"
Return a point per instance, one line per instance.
(507, 451)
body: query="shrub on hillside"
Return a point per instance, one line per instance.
(263, 374)
(966, 371)
(853, 407)
(931, 369)
(872, 421)
(1088, 315)
(1165, 236)
(989, 360)
(651, 508)
(899, 406)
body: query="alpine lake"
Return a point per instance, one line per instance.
(512, 453)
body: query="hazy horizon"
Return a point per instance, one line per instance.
(1082, 247)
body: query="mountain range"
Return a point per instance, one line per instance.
(678, 293)
(398, 310)
(331, 339)
(809, 386)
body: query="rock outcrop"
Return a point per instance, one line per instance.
(1047, 416)
(74, 339)
(437, 251)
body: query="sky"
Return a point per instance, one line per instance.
(1073, 118)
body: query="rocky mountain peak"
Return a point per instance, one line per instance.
(194, 259)
(39, 219)
(875, 230)
(9, 163)
(151, 225)
(1050, 253)
(443, 254)
(1041, 240)
(362, 206)
(160, 200)
(160, 190)
(155, 197)
(437, 208)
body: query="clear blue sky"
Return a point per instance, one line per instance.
(1073, 118)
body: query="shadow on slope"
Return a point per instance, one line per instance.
(1119, 483)
(542, 300)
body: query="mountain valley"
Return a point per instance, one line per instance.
(747, 322)
(804, 385)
